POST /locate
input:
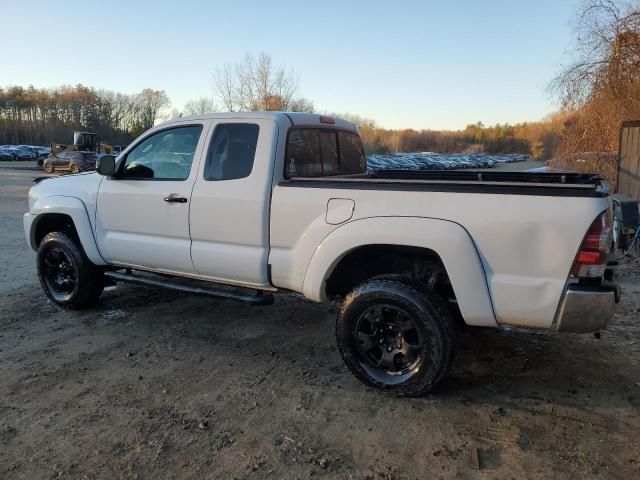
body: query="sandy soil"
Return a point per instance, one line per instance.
(156, 384)
(515, 166)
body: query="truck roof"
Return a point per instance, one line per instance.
(290, 118)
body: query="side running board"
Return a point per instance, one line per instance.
(258, 298)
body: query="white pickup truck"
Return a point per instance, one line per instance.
(243, 205)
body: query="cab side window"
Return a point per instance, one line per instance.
(166, 155)
(232, 151)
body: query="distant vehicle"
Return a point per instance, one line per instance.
(23, 152)
(35, 150)
(41, 152)
(19, 152)
(57, 147)
(6, 154)
(89, 142)
(74, 162)
(78, 157)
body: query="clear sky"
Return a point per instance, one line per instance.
(418, 64)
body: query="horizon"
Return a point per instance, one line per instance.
(384, 71)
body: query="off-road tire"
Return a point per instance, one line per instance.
(48, 167)
(429, 313)
(88, 278)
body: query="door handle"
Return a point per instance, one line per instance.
(174, 198)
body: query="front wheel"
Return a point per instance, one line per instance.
(395, 335)
(66, 274)
(48, 167)
(74, 168)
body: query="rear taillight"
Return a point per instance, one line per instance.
(591, 260)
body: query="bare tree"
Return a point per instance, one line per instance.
(301, 104)
(31, 115)
(200, 106)
(606, 52)
(256, 84)
(599, 88)
(148, 106)
(225, 86)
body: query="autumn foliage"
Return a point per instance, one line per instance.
(601, 87)
(538, 139)
(42, 116)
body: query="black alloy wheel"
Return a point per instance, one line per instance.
(395, 334)
(66, 275)
(60, 274)
(388, 341)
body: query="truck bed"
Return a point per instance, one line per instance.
(515, 183)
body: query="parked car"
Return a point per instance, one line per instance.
(21, 152)
(6, 154)
(42, 153)
(70, 161)
(47, 153)
(245, 205)
(32, 150)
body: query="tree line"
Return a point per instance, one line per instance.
(539, 139)
(600, 87)
(41, 116)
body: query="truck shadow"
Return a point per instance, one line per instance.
(583, 371)
(491, 367)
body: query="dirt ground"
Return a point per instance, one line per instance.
(157, 384)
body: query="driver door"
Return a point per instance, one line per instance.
(143, 213)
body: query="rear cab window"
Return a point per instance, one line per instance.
(318, 152)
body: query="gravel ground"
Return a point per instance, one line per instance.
(157, 384)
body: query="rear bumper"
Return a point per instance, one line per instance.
(587, 309)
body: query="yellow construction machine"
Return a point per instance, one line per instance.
(83, 142)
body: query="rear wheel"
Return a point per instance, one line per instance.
(74, 168)
(66, 274)
(48, 167)
(395, 335)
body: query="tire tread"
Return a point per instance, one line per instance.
(427, 300)
(93, 279)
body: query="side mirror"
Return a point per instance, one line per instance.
(106, 165)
